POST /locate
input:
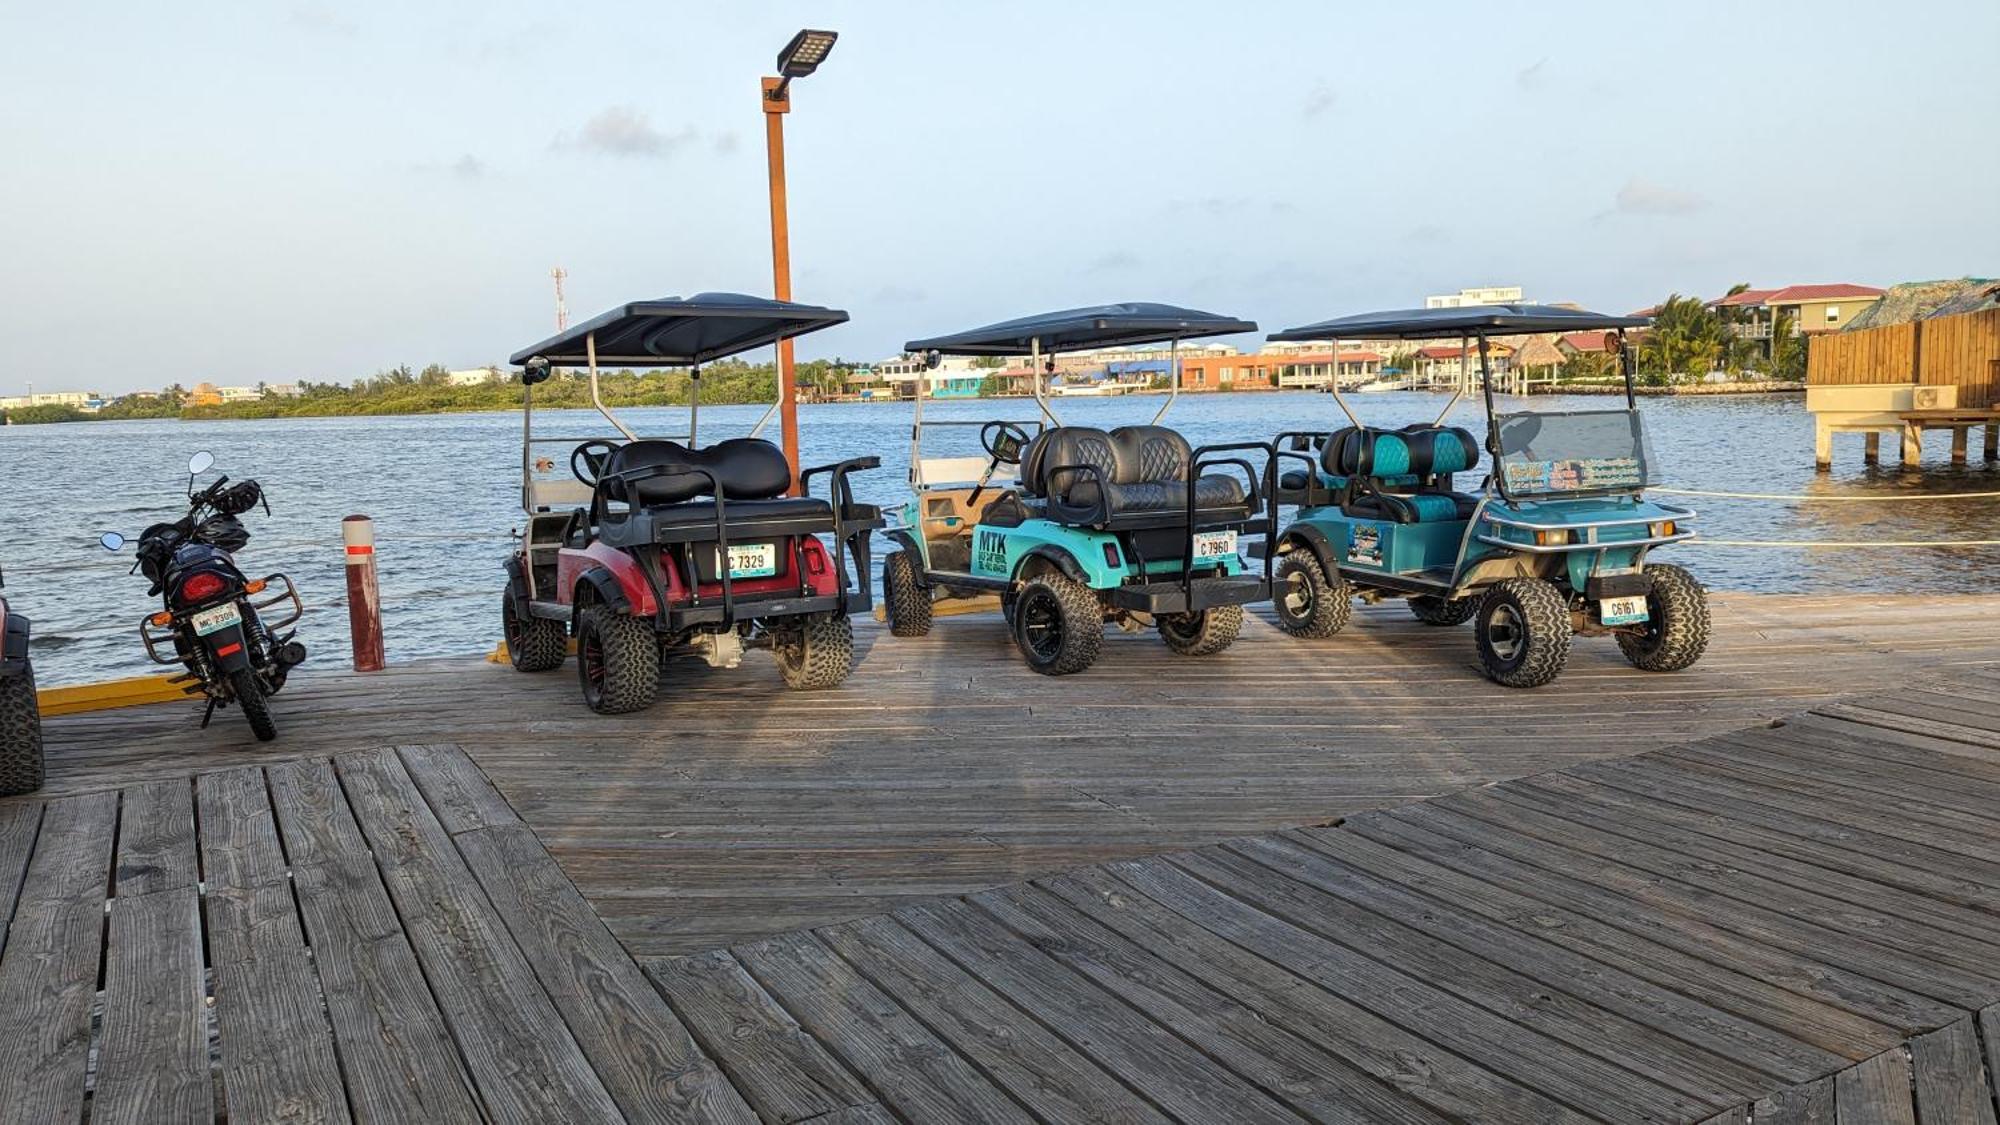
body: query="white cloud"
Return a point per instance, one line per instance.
(1643, 197)
(624, 131)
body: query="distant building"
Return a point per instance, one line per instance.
(1585, 343)
(80, 400)
(1753, 314)
(956, 377)
(1441, 363)
(473, 376)
(1490, 295)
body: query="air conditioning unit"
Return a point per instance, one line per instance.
(1935, 398)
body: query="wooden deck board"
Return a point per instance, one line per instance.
(970, 897)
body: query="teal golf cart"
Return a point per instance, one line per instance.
(1074, 527)
(1554, 543)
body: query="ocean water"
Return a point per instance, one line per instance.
(443, 491)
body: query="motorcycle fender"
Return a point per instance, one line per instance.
(228, 649)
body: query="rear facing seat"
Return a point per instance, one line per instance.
(1136, 474)
(754, 475)
(1375, 461)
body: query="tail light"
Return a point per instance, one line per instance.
(815, 558)
(200, 587)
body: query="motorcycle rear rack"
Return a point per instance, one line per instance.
(156, 636)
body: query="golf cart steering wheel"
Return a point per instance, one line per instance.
(591, 455)
(1003, 442)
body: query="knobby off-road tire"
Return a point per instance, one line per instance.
(1522, 631)
(1058, 624)
(1443, 611)
(20, 735)
(1307, 602)
(249, 693)
(908, 603)
(534, 644)
(1677, 626)
(1202, 634)
(617, 661)
(817, 654)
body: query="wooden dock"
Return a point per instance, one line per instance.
(954, 895)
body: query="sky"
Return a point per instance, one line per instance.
(270, 191)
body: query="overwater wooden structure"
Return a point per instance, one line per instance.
(1772, 920)
(1904, 379)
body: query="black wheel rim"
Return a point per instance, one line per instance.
(510, 626)
(1041, 626)
(1297, 601)
(1507, 634)
(590, 659)
(1181, 626)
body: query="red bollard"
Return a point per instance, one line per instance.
(364, 600)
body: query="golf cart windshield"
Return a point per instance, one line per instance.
(1592, 451)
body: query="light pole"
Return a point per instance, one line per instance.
(800, 57)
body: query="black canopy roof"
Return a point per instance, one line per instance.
(1470, 320)
(683, 331)
(1096, 326)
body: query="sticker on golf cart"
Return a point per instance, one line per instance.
(990, 553)
(752, 560)
(1622, 611)
(1588, 474)
(1214, 545)
(1366, 546)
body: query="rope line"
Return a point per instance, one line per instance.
(1826, 499)
(1705, 541)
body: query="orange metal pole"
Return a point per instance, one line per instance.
(781, 266)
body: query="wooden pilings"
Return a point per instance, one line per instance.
(364, 599)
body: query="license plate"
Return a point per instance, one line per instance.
(215, 620)
(1214, 544)
(753, 560)
(1622, 611)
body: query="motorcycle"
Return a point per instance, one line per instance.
(214, 622)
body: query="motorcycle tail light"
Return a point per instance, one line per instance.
(199, 587)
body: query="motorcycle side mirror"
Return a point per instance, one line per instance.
(536, 370)
(111, 540)
(200, 462)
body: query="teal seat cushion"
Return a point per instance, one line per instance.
(1432, 507)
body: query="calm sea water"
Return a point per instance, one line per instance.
(443, 492)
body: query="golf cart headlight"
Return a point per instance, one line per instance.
(1663, 530)
(1556, 538)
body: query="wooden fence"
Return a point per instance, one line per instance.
(1948, 351)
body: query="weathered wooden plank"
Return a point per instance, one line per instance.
(1815, 1034)
(152, 1056)
(457, 791)
(1319, 1085)
(1417, 1067)
(642, 1054)
(1658, 1064)
(1876, 1091)
(1808, 1103)
(1642, 906)
(19, 823)
(1737, 1052)
(1043, 1073)
(523, 1060)
(315, 822)
(784, 1073)
(1950, 1080)
(1180, 1080)
(1524, 1055)
(915, 1074)
(1772, 912)
(155, 838)
(1989, 1035)
(398, 1058)
(278, 1058)
(49, 972)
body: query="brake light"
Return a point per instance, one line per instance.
(200, 587)
(1111, 555)
(815, 557)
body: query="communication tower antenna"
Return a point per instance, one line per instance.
(562, 309)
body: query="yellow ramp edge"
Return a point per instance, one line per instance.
(79, 698)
